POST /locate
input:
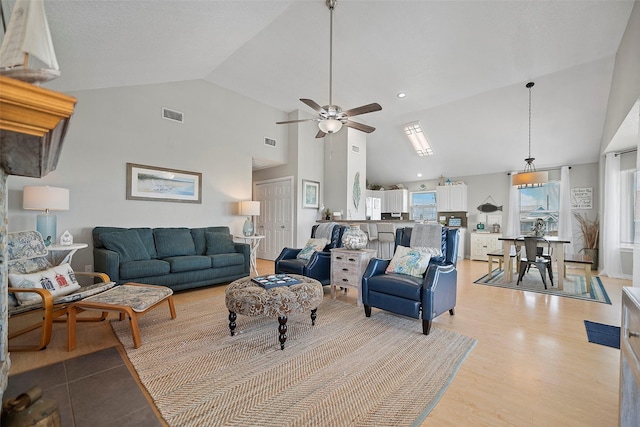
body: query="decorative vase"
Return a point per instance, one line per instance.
(354, 238)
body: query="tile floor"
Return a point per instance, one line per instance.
(94, 390)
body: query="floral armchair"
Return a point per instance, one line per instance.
(36, 285)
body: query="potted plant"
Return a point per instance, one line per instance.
(590, 234)
(327, 214)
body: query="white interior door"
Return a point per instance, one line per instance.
(276, 216)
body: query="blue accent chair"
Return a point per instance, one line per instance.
(426, 297)
(318, 266)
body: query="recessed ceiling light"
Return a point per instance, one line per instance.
(419, 175)
(402, 95)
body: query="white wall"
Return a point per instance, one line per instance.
(111, 127)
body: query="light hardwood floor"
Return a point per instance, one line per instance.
(532, 365)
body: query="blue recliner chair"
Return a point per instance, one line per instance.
(318, 266)
(426, 297)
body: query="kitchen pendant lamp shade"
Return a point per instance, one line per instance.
(330, 125)
(249, 208)
(529, 178)
(45, 198)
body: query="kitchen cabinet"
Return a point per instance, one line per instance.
(483, 243)
(451, 198)
(395, 200)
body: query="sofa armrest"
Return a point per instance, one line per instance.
(245, 250)
(288, 253)
(108, 262)
(47, 298)
(319, 267)
(439, 290)
(375, 267)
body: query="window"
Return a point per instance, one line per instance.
(423, 205)
(540, 202)
(627, 193)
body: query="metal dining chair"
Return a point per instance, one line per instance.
(531, 257)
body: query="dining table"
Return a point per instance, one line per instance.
(556, 243)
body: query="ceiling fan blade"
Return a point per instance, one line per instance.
(297, 121)
(369, 108)
(313, 105)
(320, 134)
(359, 126)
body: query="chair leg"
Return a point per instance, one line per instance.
(523, 270)
(452, 312)
(367, 310)
(550, 270)
(543, 273)
(426, 326)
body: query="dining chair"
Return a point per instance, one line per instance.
(542, 263)
(386, 239)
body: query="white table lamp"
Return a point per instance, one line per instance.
(45, 198)
(249, 208)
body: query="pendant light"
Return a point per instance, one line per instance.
(529, 178)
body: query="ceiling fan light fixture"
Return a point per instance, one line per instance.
(330, 125)
(530, 177)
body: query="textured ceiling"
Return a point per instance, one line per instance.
(463, 65)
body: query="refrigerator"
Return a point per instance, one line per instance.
(373, 208)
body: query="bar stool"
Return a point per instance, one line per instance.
(386, 239)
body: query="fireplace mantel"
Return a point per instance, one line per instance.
(33, 122)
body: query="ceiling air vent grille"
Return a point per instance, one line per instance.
(172, 115)
(355, 149)
(270, 142)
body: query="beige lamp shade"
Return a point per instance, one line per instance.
(249, 208)
(530, 179)
(45, 198)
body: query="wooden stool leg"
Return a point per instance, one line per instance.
(71, 328)
(135, 332)
(172, 307)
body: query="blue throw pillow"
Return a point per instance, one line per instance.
(174, 242)
(127, 244)
(219, 243)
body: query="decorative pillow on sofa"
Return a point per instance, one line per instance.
(410, 261)
(127, 244)
(59, 280)
(219, 243)
(313, 245)
(174, 242)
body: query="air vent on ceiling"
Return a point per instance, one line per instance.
(270, 142)
(173, 115)
(355, 149)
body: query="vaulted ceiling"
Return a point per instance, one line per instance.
(462, 64)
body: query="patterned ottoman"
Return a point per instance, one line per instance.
(246, 297)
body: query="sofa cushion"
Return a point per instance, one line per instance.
(226, 260)
(59, 281)
(127, 244)
(188, 263)
(313, 245)
(219, 243)
(144, 268)
(173, 242)
(400, 285)
(146, 235)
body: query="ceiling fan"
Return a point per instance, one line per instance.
(331, 118)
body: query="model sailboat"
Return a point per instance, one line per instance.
(28, 39)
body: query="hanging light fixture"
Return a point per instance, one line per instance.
(529, 178)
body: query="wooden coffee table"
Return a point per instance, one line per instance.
(131, 299)
(248, 298)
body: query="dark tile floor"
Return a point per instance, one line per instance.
(93, 390)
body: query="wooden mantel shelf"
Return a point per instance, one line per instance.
(33, 122)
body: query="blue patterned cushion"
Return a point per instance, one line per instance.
(25, 245)
(219, 243)
(409, 261)
(313, 245)
(127, 244)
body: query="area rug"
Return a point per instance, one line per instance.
(602, 334)
(345, 370)
(574, 285)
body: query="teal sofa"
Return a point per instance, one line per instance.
(179, 258)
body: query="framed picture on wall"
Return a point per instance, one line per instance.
(163, 184)
(310, 194)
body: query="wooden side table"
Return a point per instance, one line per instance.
(347, 268)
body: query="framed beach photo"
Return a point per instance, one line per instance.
(163, 184)
(310, 194)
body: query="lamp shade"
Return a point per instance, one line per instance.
(249, 208)
(529, 179)
(43, 198)
(330, 125)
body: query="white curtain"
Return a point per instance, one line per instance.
(513, 217)
(610, 224)
(565, 228)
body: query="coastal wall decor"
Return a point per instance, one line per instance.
(163, 184)
(310, 194)
(356, 190)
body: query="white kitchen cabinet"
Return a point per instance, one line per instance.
(451, 198)
(483, 243)
(395, 200)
